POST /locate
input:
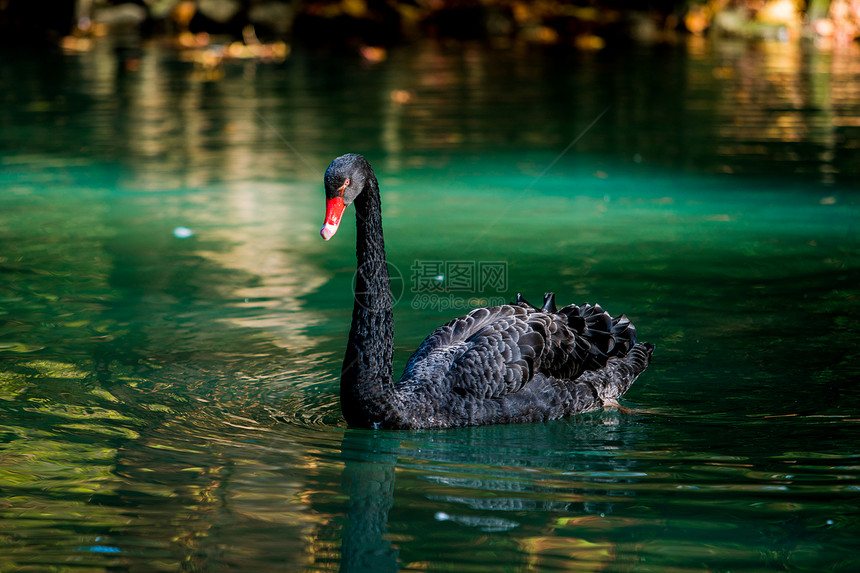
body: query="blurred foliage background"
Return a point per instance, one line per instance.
(367, 24)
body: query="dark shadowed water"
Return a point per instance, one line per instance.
(171, 324)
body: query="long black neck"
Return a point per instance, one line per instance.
(366, 392)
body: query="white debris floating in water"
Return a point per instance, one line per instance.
(182, 232)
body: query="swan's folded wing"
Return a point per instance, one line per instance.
(488, 353)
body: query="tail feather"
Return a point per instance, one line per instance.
(615, 379)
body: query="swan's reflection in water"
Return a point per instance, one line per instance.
(368, 482)
(491, 480)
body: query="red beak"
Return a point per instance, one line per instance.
(333, 212)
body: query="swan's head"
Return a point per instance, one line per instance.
(344, 179)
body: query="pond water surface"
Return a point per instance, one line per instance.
(172, 326)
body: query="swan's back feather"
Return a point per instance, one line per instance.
(494, 353)
(487, 353)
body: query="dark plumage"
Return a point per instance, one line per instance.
(496, 365)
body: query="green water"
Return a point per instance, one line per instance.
(170, 403)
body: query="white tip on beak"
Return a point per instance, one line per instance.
(328, 231)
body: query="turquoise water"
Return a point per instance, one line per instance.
(171, 324)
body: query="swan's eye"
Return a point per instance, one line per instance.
(346, 183)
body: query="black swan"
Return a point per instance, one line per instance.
(496, 365)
